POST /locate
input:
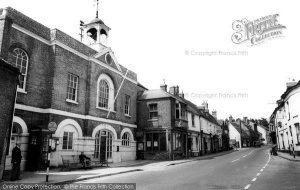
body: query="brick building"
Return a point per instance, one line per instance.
(78, 87)
(162, 124)
(171, 127)
(8, 81)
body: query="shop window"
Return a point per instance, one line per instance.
(149, 142)
(177, 141)
(155, 141)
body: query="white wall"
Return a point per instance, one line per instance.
(197, 122)
(263, 132)
(289, 116)
(234, 134)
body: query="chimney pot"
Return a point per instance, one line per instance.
(164, 87)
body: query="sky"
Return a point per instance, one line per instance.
(188, 43)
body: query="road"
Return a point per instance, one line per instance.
(252, 168)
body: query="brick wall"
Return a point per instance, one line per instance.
(164, 113)
(8, 81)
(39, 73)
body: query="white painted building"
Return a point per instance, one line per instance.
(194, 132)
(234, 135)
(287, 119)
(263, 131)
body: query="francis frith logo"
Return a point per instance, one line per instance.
(256, 31)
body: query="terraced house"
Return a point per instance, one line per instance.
(171, 127)
(286, 119)
(78, 87)
(162, 124)
(211, 130)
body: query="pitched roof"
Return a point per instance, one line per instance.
(290, 89)
(154, 94)
(209, 117)
(245, 130)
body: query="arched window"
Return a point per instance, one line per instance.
(126, 139)
(20, 60)
(105, 93)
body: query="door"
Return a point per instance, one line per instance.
(103, 145)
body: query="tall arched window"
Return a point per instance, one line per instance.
(20, 60)
(105, 93)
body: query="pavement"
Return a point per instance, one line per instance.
(252, 168)
(63, 177)
(288, 156)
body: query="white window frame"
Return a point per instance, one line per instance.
(76, 88)
(126, 139)
(68, 140)
(15, 57)
(111, 92)
(153, 111)
(127, 105)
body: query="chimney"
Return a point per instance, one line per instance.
(201, 108)
(230, 118)
(177, 90)
(214, 114)
(163, 87)
(245, 119)
(205, 104)
(174, 90)
(291, 83)
(181, 95)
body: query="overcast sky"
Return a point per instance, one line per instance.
(156, 39)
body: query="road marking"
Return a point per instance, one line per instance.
(235, 160)
(245, 156)
(261, 170)
(254, 179)
(258, 174)
(247, 186)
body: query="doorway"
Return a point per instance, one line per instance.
(103, 145)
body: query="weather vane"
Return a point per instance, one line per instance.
(97, 8)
